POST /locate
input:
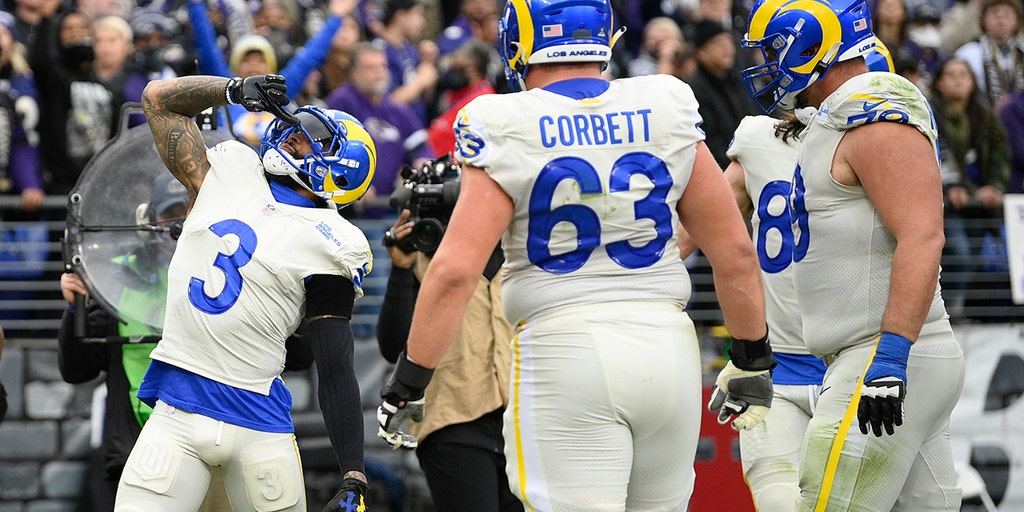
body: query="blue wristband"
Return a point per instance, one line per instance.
(890, 358)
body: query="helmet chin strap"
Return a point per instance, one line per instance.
(275, 162)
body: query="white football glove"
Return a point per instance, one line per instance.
(745, 395)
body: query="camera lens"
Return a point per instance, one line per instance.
(426, 235)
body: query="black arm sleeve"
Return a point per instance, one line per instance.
(79, 361)
(329, 295)
(396, 312)
(337, 389)
(329, 301)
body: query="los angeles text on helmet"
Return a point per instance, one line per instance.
(597, 129)
(575, 53)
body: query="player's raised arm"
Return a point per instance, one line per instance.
(170, 106)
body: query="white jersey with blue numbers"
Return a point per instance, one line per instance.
(236, 280)
(843, 260)
(594, 182)
(768, 165)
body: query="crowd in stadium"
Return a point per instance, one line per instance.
(405, 67)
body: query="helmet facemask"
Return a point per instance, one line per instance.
(800, 41)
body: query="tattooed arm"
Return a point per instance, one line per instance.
(170, 106)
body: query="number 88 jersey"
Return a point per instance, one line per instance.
(595, 170)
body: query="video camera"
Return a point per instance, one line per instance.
(429, 193)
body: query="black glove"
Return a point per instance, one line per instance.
(261, 93)
(351, 497)
(885, 386)
(403, 399)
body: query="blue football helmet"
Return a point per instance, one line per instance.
(341, 165)
(800, 40)
(547, 31)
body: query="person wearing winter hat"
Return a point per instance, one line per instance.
(718, 87)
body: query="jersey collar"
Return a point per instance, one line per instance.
(579, 88)
(286, 195)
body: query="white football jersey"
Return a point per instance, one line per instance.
(236, 280)
(768, 165)
(844, 254)
(595, 183)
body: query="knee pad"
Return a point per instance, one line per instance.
(272, 475)
(152, 467)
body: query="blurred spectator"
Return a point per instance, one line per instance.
(254, 55)
(715, 10)
(1012, 116)
(908, 66)
(28, 15)
(997, 57)
(960, 24)
(890, 20)
(334, 72)
(682, 11)
(23, 231)
(662, 40)
(157, 54)
(96, 9)
(112, 46)
(413, 76)
(79, 112)
(975, 168)
(398, 133)
(477, 19)
(684, 64)
(465, 79)
(275, 20)
(924, 42)
(718, 87)
(935, 5)
(19, 117)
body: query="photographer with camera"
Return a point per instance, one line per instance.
(460, 446)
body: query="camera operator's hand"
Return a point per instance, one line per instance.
(71, 284)
(401, 229)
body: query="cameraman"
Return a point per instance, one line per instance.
(460, 443)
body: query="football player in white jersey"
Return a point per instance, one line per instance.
(763, 155)
(866, 203)
(262, 248)
(584, 182)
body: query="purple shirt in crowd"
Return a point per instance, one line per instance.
(398, 134)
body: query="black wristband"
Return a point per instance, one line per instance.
(412, 375)
(753, 355)
(408, 382)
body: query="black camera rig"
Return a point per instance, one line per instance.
(429, 193)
